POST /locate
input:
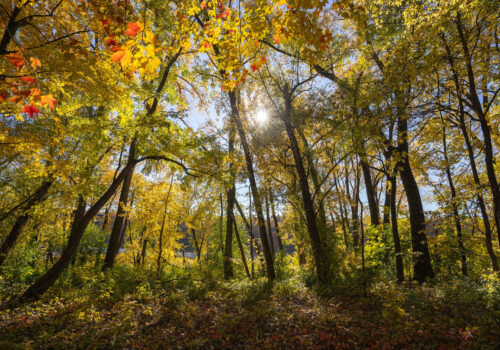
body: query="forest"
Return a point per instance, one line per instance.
(249, 174)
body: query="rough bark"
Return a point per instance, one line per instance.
(119, 223)
(422, 267)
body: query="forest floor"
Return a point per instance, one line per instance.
(255, 316)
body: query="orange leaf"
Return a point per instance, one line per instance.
(117, 55)
(35, 62)
(48, 100)
(35, 94)
(133, 29)
(16, 60)
(15, 99)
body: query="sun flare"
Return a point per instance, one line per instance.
(261, 117)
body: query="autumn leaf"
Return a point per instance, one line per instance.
(35, 94)
(122, 55)
(48, 100)
(35, 62)
(30, 109)
(29, 80)
(133, 29)
(110, 42)
(15, 99)
(119, 53)
(16, 60)
(254, 67)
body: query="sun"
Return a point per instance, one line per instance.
(261, 117)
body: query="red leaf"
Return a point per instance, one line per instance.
(29, 80)
(30, 110)
(16, 60)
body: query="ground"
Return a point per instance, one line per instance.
(255, 316)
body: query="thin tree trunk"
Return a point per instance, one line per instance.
(320, 257)
(268, 256)
(143, 252)
(275, 219)
(268, 221)
(472, 160)
(342, 216)
(370, 192)
(454, 205)
(160, 243)
(240, 246)
(231, 193)
(395, 232)
(221, 219)
(23, 218)
(489, 157)
(77, 229)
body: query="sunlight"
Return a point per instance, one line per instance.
(261, 117)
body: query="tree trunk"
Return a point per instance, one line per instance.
(77, 229)
(422, 266)
(248, 225)
(268, 221)
(275, 219)
(119, 224)
(370, 192)
(454, 205)
(320, 257)
(253, 186)
(23, 218)
(472, 160)
(240, 246)
(489, 157)
(342, 215)
(221, 219)
(231, 193)
(143, 252)
(395, 232)
(160, 243)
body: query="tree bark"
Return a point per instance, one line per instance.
(231, 193)
(119, 224)
(422, 267)
(395, 232)
(253, 186)
(240, 246)
(320, 257)
(77, 229)
(275, 219)
(23, 218)
(268, 221)
(160, 242)
(489, 157)
(370, 192)
(454, 205)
